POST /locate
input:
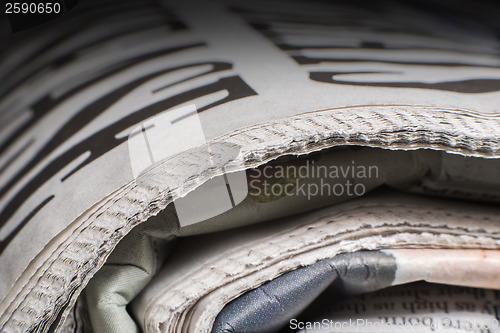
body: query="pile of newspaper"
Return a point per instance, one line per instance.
(256, 166)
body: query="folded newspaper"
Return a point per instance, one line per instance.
(250, 166)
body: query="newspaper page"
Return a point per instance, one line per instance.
(412, 308)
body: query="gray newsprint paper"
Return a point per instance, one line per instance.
(414, 308)
(199, 280)
(118, 110)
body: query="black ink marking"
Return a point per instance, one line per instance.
(474, 86)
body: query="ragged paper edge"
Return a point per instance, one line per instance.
(365, 224)
(35, 301)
